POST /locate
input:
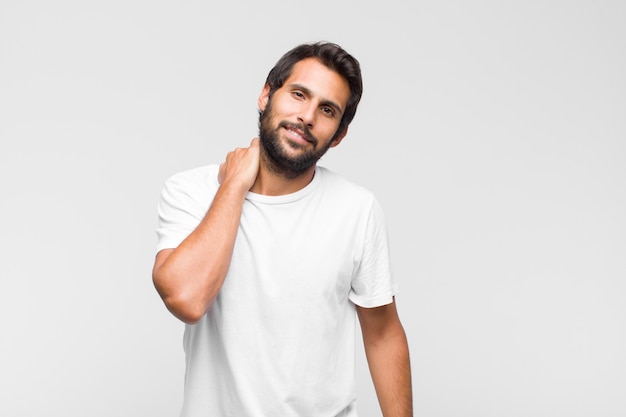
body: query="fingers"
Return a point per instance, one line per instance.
(241, 164)
(220, 174)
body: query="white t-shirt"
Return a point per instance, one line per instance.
(279, 341)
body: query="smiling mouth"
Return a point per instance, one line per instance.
(299, 134)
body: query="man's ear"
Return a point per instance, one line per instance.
(264, 97)
(339, 138)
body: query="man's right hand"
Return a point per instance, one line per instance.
(241, 165)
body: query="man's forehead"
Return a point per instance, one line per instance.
(319, 80)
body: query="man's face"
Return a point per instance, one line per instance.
(299, 122)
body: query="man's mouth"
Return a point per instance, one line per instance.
(298, 133)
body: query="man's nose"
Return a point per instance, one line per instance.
(307, 114)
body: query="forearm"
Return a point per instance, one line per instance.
(191, 276)
(390, 368)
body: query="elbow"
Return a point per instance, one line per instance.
(186, 310)
(183, 303)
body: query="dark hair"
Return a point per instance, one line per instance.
(332, 56)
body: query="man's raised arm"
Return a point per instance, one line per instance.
(189, 277)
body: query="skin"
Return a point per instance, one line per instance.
(188, 281)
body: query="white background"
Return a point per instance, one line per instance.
(493, 132)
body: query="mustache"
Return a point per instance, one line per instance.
(302, 128)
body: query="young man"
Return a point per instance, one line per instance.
(267, 257)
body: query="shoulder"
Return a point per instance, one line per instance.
(198, 184)
(198, 175)
(344, 188)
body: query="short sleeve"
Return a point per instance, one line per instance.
(184, 201)
(373, 284)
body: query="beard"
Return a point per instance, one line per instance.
(279, 159)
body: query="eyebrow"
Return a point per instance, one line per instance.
(324, 102)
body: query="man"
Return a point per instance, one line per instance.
(267, 256)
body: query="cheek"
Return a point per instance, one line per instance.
(328, 129)
(282, 106)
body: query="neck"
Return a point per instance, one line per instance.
(270, 181)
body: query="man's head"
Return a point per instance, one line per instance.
(309, 99)
(332, 56)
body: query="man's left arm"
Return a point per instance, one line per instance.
(387, 353)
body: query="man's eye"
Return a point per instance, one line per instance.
(329, 111)
(298, 94)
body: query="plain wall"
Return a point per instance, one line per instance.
(493, 133)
